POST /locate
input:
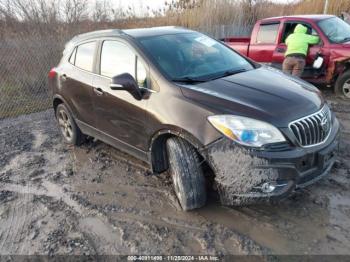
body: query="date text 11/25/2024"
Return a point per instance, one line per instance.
(173, 258)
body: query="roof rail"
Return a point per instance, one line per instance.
(109, 32)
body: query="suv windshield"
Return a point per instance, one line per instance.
(192, 57)
(336, 30)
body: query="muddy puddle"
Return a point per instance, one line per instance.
(57, 199)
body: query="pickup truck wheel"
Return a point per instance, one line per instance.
(187, 175)
(342, 85)
(69, 129)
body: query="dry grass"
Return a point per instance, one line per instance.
(29, 47)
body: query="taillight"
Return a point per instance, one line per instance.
(52, 73)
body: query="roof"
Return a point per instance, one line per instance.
(155, 31)
(136, 33)
(308, 17)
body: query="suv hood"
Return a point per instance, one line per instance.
(264, 93)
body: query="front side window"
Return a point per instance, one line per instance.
(267, 34)
(84, 57)
(192, 55)
(290, 26)
(117, 58)
(336, 30)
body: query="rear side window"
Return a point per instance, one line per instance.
(117, 58)
(267, 34)
(72, 57)
(84, 57)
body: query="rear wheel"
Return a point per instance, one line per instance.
(342, 85)
(69, 129)
(187, 175)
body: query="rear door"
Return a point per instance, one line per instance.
(263, 46)
(119, 114)
(76, 79)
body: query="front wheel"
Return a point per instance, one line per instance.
(187, 174)
(342, 85)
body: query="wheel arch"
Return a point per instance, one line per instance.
(158, 153)
(57, 100)
(344, 76)
(336, 68)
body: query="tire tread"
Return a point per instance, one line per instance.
(184, 167)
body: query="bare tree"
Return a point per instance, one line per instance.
(102, 11)
(44, 11)
(75, 10)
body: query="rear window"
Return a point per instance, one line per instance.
(84, 57)
(267, 34)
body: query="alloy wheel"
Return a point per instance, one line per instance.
(346, 89)
(65, 125)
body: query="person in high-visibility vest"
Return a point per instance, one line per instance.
(297, 48)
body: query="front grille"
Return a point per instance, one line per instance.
(313, 129)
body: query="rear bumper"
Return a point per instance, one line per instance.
(242, 174)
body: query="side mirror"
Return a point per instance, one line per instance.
(128, 83)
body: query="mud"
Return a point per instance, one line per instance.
(94, 200)
(250, 172)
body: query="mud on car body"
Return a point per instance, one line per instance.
(184, 102)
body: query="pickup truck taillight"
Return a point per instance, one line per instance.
(52, 73)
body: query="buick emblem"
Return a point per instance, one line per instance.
(325, 124)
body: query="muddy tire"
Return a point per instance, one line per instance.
(69, 129)
(342, 85)
(187, 175)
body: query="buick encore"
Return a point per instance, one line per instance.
(187, 104)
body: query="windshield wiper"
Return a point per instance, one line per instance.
(188, 79)
(229, 73)
(346, 39)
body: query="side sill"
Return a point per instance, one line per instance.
(108, 139)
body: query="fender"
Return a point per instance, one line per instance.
(179, 132)
(157, 155)
(335, 68)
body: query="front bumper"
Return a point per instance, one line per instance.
(242, 173)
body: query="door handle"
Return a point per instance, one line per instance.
(98, 91)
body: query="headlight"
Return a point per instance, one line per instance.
(246, 131)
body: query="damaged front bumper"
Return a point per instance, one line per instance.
(247, 176)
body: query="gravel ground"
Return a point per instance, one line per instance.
(95, 200)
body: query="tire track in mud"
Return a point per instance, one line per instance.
(14, 232)
(119, 208)
(20, 211)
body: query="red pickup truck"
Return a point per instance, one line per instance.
(266, 45)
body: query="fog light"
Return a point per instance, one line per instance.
(268, 187)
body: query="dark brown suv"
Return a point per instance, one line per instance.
(182, 101)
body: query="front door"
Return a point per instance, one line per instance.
(278, 54)
(119, 115)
